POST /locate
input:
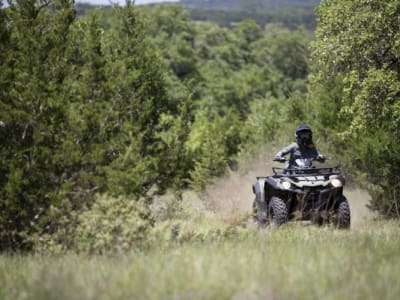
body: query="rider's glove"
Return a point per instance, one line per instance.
(279, 158)
(321, 158)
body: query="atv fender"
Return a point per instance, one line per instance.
(258, 190)
(260, 204)
(273, 182)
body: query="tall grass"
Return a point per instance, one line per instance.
(292, 262)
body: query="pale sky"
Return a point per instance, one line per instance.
(122, 2)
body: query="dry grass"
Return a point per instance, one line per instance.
(200, 254)
(293, 262)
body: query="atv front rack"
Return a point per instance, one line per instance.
(302, 172)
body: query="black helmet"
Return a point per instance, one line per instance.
(303, 135)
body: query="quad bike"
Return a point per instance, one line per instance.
(302, 193)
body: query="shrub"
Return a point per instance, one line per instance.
(114, 224)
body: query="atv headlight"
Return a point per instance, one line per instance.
(336, 183)
(286, 185)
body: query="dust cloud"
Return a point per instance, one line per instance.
(233, 195)
(358, 200)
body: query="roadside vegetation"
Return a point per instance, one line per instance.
(294, 262)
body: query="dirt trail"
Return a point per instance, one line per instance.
(233, 194)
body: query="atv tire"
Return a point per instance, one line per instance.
(260, 213)
(277, 212)
(343, 214)
(255, 213)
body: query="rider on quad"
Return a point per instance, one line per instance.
(301, 191)
(302, 148)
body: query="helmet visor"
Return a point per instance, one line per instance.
(304, 138)
(304, 135)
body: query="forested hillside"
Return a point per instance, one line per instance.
(292, 13)
(235, 4)
(102, 114)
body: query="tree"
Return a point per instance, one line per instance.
(31, 146)
(357, 50)
(139, 99)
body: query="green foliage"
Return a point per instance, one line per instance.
(292, 14)
(173, 35)
(178, 223)
(86, 93)
(85, 111)
(35, 127)
(138, 98)
(229, 70)
(356, 74)
(112, 225)
(285, 50)
(263, 124)
(117, 225)
(129, 102)
(213, 144)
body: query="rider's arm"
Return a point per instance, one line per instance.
(285, 151)
(320, 157)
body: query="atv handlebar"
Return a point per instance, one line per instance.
(302, 172)
(280, 159)
(319, 158)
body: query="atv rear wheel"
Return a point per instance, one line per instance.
(343, 214)
(277, 212)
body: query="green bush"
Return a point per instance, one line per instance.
(120, 224)
(192, 225)
(112, 225)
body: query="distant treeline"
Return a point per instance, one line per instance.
(290, 13)
(239, 4)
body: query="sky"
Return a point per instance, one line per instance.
(121, 2)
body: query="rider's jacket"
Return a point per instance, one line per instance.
(296, 152)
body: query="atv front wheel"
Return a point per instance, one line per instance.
(255, 213)
(343, 214)
(277, 213)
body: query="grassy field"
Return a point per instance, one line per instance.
(292, 262)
